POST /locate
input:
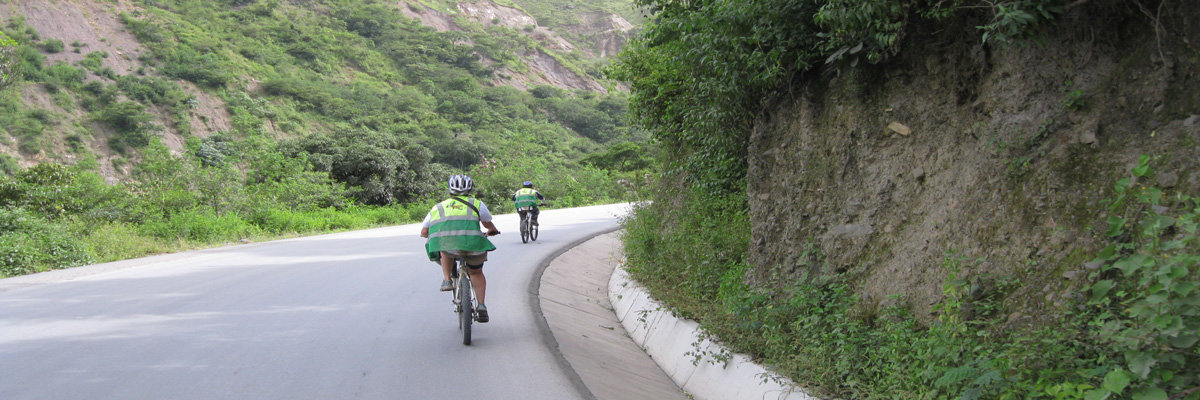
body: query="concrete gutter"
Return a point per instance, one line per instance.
(584, 295)
(700, 366)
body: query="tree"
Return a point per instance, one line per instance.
(381, 168)
(8, 60)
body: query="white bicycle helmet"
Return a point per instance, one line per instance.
(461, 184)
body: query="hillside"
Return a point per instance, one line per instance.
(938, 200)
(135, 127)
(151, 42)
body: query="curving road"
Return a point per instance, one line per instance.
(353, 315)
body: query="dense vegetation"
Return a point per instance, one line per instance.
(704, 70)
(344, 114)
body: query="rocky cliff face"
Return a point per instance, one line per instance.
(605, 33)
(998, 157)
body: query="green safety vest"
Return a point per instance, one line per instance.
(526, 197)
(453, 226)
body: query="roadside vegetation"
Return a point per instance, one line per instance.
(344, 115)
(703, 71)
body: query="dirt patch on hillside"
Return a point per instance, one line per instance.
(429, 17)
(993, 162)
(606, 34)
(544, 69)
(209, 114)
(92, 24)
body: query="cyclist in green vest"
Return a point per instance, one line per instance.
(452, 227)
(527, 196)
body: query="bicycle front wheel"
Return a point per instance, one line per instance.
(468, 309)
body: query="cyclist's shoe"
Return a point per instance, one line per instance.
(535, 223)
(481, 315)
(447, 286)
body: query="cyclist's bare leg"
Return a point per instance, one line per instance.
(479, 282)
(447, 265)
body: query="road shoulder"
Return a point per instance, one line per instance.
(573, 295)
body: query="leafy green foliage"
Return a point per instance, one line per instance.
(1020, 19)
(131, 122)
(8, 60)
(1146, 297)
(53, 191)
(29, 244)
(53, 46)
(627, 156)
(675, 253)
(381, 168)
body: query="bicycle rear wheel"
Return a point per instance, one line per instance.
(525, 230)
(467, 309)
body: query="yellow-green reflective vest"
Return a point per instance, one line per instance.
(453, 226)
(526, 197)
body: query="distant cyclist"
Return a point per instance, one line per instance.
(527, 196)
(452, 227)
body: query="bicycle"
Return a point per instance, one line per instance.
(529, 231)
(463, 298)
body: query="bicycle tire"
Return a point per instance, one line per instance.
(525, 230)
(533, 231)
(468, 309)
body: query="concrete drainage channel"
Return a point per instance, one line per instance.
(584, 294)
(672, 341)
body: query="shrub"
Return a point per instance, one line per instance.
(9, 60)
(53, 46)
(112, 241)
(94, 60)
(145, 31)
(16, 256)
(9, 165)
(1144, 296)
(206, 69)
(131, 122)
(52, 190)
(202, 227)
(29, 244)
(288, 221)
(62, 75)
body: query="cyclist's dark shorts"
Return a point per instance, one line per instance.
(474, 259)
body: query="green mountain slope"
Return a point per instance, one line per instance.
(198, 121)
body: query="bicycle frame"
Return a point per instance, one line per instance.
(528, 230)
(463, 298)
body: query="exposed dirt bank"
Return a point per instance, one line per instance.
(94, 26)
(1003, 156)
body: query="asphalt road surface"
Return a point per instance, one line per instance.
(354, 315)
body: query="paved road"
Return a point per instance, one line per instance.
(355, 315)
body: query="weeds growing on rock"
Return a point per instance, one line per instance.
(1132, 333)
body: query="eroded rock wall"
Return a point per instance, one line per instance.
(1000, 156)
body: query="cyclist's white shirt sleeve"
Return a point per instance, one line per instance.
(484, 214)
(428, 220)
